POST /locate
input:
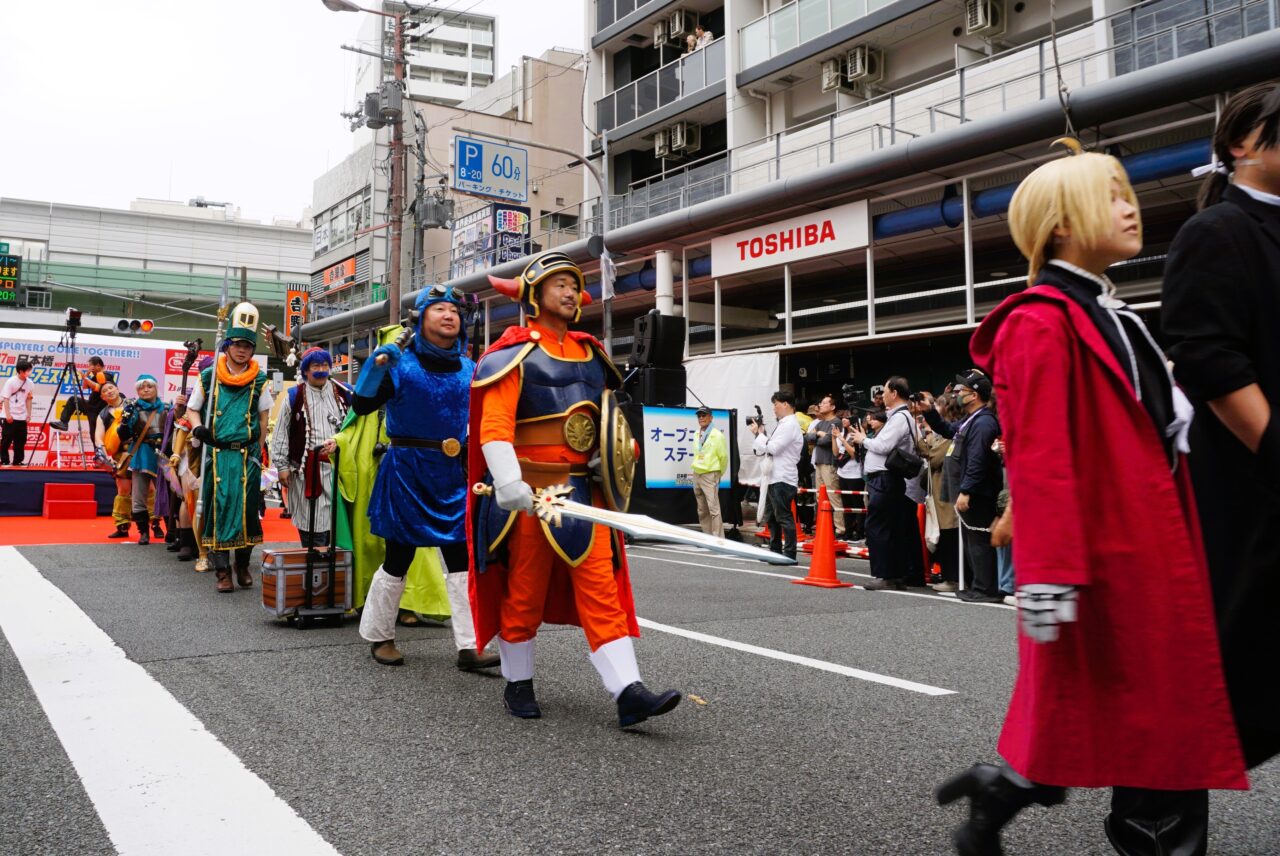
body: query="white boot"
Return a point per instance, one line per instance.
(517, 659)
(464, 627)
(381, 607)
(616, 663)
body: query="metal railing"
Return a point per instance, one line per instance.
(796, 23)
(664, 85)
(1138, 37)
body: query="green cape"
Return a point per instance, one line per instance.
(424, 591)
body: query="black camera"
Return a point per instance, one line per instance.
(73, 320)
(758, 419)
(852, 395)
(916, 397)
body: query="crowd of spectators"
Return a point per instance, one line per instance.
(881, 463)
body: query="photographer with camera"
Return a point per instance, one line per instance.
(892, 537)
(972, 478)
(92, 380)
(783, 449)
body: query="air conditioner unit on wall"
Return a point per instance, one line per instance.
(662, 144)
(683, 23)
(832, 75)
(864, 64)
(661, 33)
(686, 137)
(983, 18)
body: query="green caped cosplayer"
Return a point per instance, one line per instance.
(228, 412)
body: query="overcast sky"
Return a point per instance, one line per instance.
(233, 100)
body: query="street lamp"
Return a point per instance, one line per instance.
(396, 217)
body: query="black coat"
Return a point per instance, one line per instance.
(1221, 314)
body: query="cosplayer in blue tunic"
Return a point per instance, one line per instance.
(419, 496)
(420, 493)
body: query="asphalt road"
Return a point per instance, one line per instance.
(765, 755)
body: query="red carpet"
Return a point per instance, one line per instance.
(20, 531)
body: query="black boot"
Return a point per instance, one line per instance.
(636, 704)
(187, 549)
(519, 700)
(122, 531)
(1144, 822)
(170, 532)
(144, 536)
(994, 799)
(157, 531)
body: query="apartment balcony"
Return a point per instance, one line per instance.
(610, 12)
(690, 75)
(797, 23)
(1138, 37)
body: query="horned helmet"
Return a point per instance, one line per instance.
(522, 289)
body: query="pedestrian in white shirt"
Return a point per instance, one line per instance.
(16, 394)
(892, 539)
(784, 447)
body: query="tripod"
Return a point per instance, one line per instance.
(69, 372)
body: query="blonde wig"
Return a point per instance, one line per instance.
(1072, 193)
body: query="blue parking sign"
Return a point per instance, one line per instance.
(470, 160)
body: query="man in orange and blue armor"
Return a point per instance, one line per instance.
(535, 413)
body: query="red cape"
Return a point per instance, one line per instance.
(1132, 693)
(489, 588)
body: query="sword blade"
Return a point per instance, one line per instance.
(643, 526)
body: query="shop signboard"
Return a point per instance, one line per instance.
(339, 276)
(295, 312)
(489, 236)
(821, 233)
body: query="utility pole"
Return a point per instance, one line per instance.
(397, 180)
(396, 199)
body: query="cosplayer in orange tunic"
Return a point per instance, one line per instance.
(534, 416)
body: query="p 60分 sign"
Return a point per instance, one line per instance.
(809, 236)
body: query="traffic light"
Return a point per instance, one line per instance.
(134, 326)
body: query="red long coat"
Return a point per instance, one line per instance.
(1132, 693)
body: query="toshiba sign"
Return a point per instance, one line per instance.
(819, 234)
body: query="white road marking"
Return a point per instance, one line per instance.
(937, 597)
(161, 783)
(821, 665)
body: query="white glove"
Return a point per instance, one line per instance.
(594, 466)
(509, 488)
(1043, 607)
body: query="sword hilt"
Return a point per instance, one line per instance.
(482, 489)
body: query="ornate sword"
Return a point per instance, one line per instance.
(550, 505)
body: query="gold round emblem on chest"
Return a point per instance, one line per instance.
(451, 447)
(580, 432)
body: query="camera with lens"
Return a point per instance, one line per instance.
(852, 395)
(916, 397)
(758, 419)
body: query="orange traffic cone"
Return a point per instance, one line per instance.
(763, 533)
(822, 569)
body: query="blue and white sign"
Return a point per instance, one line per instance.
(670, 440)
(486, 168)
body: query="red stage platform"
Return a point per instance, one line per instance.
(30, 531)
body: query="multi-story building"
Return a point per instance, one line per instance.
(163, 261)
(892, 134)
(451, 52)
(538, 100)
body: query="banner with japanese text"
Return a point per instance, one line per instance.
(670, 440)
(295, 312)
